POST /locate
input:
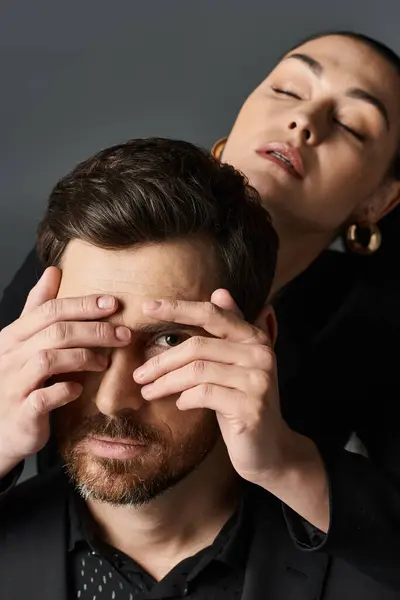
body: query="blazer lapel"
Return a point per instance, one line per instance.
(33, 549)
(276, 569)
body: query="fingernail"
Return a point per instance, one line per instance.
(123, 334)
(151, 304)
(139, 373)
(105, 302)
(147, 391)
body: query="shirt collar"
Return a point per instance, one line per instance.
(236, 534)
(82, 527)
(230, 546)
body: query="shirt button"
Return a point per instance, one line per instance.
(186, 590)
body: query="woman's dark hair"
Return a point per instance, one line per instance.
(379, 47)
(155, 190)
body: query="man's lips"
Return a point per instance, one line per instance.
(125, 441)
(284, 155)
(121, 448)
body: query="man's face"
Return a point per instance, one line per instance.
(117, 447)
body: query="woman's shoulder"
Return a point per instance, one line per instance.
(338, 293)
(316, 295)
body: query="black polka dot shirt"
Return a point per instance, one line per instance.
(97, 571)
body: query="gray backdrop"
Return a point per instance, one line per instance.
(80, 75)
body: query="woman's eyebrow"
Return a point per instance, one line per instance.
(356, 93)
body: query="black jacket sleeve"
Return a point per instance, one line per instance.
(348, 382)
(365, 524)
(16, 292)
(346, 379)
(9, 481)
(365, 517)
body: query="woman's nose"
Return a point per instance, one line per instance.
(310, 124)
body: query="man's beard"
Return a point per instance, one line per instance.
(138, 480)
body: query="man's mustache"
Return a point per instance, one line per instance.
(125, 426)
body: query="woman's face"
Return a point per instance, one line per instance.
(317, 137)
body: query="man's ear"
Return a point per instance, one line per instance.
(266, 321)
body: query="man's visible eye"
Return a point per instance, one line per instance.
(169, 340)
(285, 93)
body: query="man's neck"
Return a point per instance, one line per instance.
(177, 524)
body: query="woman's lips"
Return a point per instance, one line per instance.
(285, 156)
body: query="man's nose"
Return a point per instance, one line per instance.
(118, 390)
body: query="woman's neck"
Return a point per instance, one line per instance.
(297, 251)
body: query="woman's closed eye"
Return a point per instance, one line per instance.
(283, 92)
(359, 136)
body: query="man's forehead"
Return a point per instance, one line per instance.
(136, 285)
(176, 271)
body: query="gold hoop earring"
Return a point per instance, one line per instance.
(218, 148)
(356, 243)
